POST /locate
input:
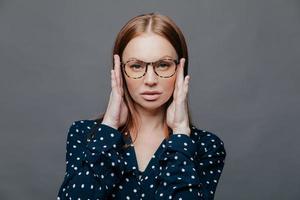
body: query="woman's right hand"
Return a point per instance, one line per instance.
(117, 112)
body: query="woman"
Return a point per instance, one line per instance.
(144, 146)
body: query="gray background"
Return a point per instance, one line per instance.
(55, 58)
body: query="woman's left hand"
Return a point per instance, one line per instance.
(177, 112)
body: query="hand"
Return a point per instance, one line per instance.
(117, 111)
(177, 113)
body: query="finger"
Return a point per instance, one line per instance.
(117, 69)
(120, 72)
(177, 81)
(113, 82)
(180, 74)
(186, 83)
(120, 75)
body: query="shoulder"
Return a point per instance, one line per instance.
(207, 142)
(79, 129)
(82, 125)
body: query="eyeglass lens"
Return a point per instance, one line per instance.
(137, 68)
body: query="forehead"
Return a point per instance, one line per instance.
(149, 47)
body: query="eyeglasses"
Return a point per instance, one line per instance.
(163, 68)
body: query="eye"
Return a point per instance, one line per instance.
(137, 66)
(164, 64)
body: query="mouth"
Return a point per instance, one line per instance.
(150, 97)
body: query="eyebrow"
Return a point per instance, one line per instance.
(166, 56)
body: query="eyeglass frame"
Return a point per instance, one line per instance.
(147, 63)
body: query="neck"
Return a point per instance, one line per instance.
(151, 121)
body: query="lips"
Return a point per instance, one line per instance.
(150, 95)
(151, 92)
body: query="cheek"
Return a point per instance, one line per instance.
(169, 86)
(132, 86)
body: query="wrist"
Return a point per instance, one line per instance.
(186, 131)
(108, 123)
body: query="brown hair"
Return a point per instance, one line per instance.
(163, 26)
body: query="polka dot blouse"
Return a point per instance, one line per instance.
(183, 167)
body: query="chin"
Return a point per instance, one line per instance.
(151, 105)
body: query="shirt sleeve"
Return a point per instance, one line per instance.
(93, 167)
(210, 161)
(181, 177)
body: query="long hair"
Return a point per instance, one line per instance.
(163, 26)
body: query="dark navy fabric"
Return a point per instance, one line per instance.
(183, 167)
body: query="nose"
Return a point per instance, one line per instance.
(150, 76)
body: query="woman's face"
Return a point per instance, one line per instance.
(149, 47)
